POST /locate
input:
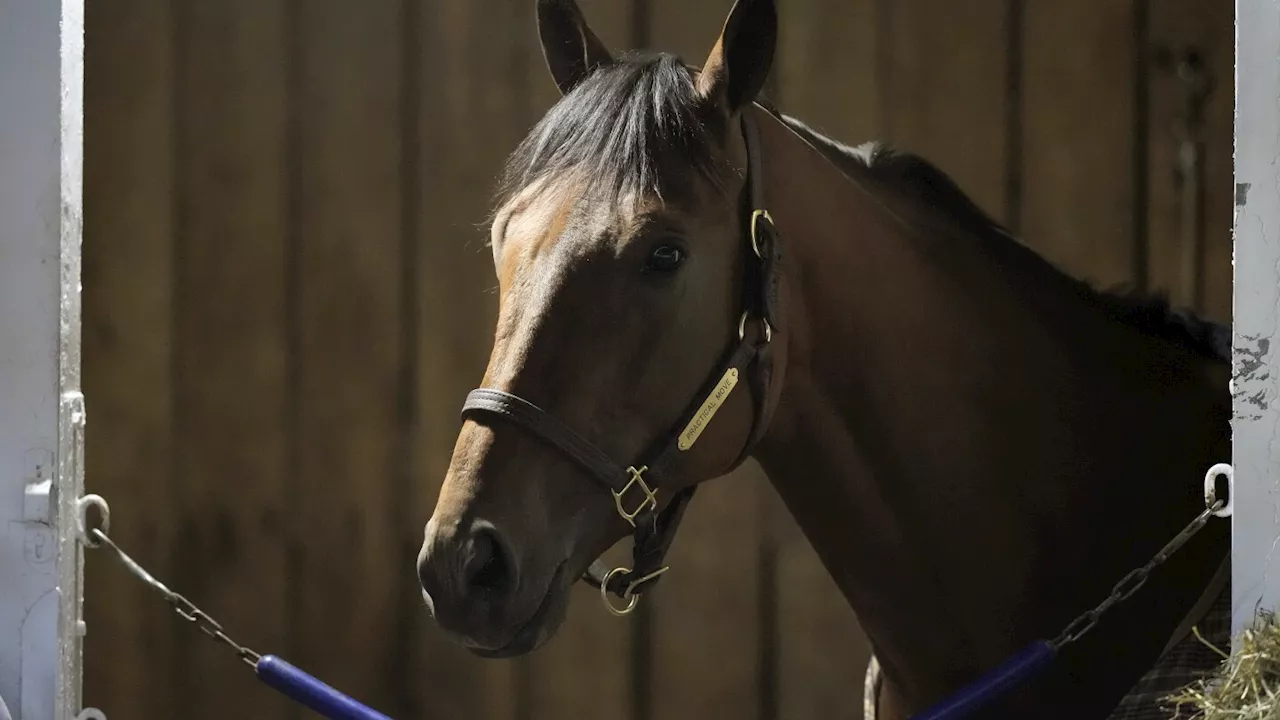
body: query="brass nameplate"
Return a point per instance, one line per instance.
(708, 409)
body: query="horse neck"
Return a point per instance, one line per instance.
(973, 449)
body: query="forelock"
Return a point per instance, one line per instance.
(613, 134)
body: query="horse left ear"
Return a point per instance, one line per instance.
(739, 63)
(571, 50)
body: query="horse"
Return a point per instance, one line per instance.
(977, 444)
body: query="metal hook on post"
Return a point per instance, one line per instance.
(84, 528)
(1211, 498)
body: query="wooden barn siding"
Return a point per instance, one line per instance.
(288, 294)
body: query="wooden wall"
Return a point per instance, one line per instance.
(287, 296)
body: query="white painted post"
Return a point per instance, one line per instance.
(1256, 374)
(41, 409)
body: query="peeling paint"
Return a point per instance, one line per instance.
(1249, 388)
(1249, 360)
(1242, 194)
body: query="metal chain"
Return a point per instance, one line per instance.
(1076, 629)
(184, 607)
(1129, 584)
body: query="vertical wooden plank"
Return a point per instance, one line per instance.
(591, 642)
(231, 351)
(404, 650)
(1219, 174)
(825, 66)
(944, 90)
(684, 29)
(476, 104)
(349, 565)
(826, 75)
(1078, 137)
(706, 634)
(1178, 29)
(703, 622)
(128, 236)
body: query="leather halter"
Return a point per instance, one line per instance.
(635, 487)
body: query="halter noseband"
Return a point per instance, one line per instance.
(635, 487)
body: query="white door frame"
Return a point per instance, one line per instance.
(1255, 525)
(41, 409)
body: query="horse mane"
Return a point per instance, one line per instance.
(614, 131)
(1148, 313)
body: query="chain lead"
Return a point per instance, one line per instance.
(1076, 629)
(185, 609)
(1129, 584)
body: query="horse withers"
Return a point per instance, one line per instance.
(688, 278)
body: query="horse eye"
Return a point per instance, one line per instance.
(665, 258)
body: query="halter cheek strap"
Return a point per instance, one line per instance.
(635, 487)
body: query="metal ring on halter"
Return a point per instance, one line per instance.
(742, 328)
(604, 593)
(82, 519)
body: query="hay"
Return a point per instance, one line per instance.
(1246, 685)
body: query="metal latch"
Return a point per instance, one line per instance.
(39, 547)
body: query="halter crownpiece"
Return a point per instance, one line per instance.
(635, 488)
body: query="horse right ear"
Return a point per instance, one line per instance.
(572, 51)
(735, 71)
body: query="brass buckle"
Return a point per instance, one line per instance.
(650, 495)
(631, 598)
(755, 232)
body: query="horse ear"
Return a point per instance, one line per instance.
(739, 63)
(572, 51)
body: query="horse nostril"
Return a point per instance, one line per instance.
(487, 568)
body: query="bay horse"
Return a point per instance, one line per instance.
(978, 445)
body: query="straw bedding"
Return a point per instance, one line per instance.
(1246, 684)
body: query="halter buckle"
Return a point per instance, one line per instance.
(756, 215)
(650, 496)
